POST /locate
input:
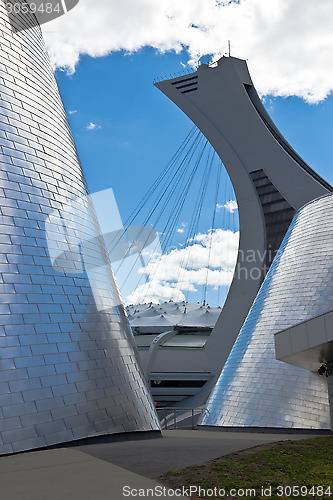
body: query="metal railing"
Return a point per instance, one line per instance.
(187, 417)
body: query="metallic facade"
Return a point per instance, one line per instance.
(254, 389)
(68, 366)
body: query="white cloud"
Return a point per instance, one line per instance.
(182, 227)
(231, 206)
(92, 126)
(289, 43)
(210, 258)
(72, 112)
(155, 291)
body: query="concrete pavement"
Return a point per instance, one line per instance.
(178, 449)
(99, 471)
(68, 474)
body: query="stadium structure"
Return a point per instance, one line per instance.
(284, 209)
(69, 364)
(171, 338)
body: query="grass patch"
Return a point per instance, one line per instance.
(307, 463)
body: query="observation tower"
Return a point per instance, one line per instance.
(271, 183)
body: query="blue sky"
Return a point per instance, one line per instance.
(107, 55)
(140, 128)
(137, 130)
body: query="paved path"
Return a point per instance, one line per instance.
(100, 471)
(67, 474)
(178, 449)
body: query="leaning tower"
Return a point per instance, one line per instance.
(68, 366)
(271, 183)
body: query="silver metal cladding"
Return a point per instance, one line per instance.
(254, 389)
(68, 366)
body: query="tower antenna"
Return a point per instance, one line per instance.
(229, 48)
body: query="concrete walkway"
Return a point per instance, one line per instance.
(66, 474)
(178, 449)
(99, 471)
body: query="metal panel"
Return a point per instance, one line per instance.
(254, 389)
(43, 191)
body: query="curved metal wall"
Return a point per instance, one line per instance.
(68, 366)
(254, 389)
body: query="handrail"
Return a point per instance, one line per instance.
(170, 416)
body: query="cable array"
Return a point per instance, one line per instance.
(190, 186)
